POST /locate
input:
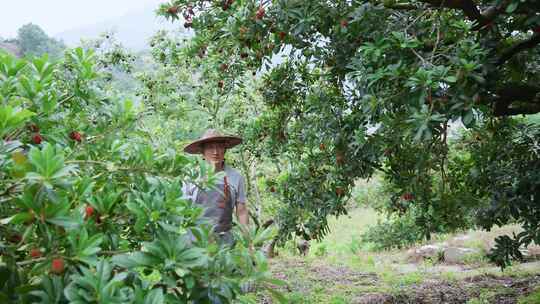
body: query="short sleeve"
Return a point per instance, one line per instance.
(187, 191)
(241, 195)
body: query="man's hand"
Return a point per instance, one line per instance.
(242, 213)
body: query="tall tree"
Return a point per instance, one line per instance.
(34, 41)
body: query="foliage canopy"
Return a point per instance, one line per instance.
(373, 85)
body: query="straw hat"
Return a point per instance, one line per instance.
(212, 135)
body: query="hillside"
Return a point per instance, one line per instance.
(133, 29)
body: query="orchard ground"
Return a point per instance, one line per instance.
(342, 269)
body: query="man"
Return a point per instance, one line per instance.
(230, 192)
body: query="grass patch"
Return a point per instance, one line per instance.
(533, 298)
(340, 267)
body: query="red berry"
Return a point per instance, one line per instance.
(76, 136)
(37, 139)
(15, 238)
(260, 13)
(340, 157)
(344, 23)
(322, 147)
(173, 10)
(537, 29)
(227, 4)
(35, 253)
(224, 67)
(57, 266)
(282, 35)
(89, 211)
(272, 189)
(407, 196)
(220, 84)
(340, 191)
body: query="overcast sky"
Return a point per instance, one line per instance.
(56, 16)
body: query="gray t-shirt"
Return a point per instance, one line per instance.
(236, 185)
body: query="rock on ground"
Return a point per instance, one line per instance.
(458, 255)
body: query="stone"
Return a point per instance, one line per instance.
(425, 252)
(457, 254)
(461, 238)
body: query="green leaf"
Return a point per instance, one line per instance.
(17, 219)
(155, 296)
(136, 259)
(12, 118)
(512, 7)
(451, 79)
(65, 221)
(278, 296)
(468, 118)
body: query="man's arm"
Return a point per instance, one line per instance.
(242, 213)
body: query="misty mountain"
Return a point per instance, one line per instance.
(133, 30)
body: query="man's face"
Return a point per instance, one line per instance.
(214, 152)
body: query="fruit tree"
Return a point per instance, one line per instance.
(354, 87)
(90, 196)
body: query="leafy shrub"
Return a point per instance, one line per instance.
(92, 210)
(533, 298)
(398, 232)
(321, 250)
(370, 193)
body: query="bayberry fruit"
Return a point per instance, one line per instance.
(260, 13)
(89, 211)
(407, 196)
(15, 238)
(76, 136)
(282, 35)
(340, 158)
(57, 266)
(173, 10)
(227, 4)
(35, 253)
(37, 139)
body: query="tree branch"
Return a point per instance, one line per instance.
(519, 47)
(527, 95)
(468, 7)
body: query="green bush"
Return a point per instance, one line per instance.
(533, 298)
(91, 203)
(398, 232)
